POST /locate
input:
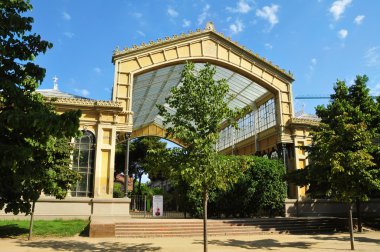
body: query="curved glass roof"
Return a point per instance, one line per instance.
(153, 87)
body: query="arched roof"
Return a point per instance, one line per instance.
(153, 87)
(145, 74)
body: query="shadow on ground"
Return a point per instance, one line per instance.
(77, 246)
(347, 239)
(258, 244)
(86, 231)
(12, 231)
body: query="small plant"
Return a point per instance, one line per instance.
(118, 191)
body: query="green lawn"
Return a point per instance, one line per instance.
(42, 228)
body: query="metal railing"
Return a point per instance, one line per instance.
(141, 207)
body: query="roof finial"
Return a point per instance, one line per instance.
(55, 82)
(210, 26)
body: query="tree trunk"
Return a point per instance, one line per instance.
(205, 199)
(133, 184)
(359, 215)
(31, 221)
(351, 227)
(139, 186)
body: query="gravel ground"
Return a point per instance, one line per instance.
(368, 241)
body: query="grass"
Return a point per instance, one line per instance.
(43, 228)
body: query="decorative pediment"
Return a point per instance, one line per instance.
(208, 34)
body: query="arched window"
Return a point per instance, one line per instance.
(83, 163)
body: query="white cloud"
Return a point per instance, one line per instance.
(142, 34)
(313, 63)
(66, 16)
(172, 12)
(342, 33)
(372, 56)
(376, 90)
(97, 70)
(309, 74)
(236, 27)
(83, 92)
(269, 13)
(137, 15)
(204, 14)
(72, 81)
(326, 48)
(186, 23)
(269, 46)
(241, 7)
(108, 90)
(359, 19)
(68, 34)
(338, 7)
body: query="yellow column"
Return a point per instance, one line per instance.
(105, 160)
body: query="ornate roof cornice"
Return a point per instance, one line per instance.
(304, 121)
(193, 34)
(159, 41)
(85, 102)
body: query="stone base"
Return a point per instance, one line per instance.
(102, 229)
(76, 208)
(111, 207)
(325, 207)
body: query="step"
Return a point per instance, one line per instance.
(176, 234)
(194, 227)
(181, 228)
(184, 224)
(222, 231)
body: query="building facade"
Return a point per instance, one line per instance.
(143, 78)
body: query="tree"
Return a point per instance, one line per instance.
(201, 105)
(344, 156)
(260, 190)
(141, 159)
(33, 138)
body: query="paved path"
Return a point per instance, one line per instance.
(274, 242)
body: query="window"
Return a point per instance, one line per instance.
(267, 115)
(266, 118)
(83, 163)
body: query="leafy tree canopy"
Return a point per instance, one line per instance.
(344, 156)
(33, 138)
(142, 159)
(201, 105)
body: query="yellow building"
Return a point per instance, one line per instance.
(143, 78)
(145, 74)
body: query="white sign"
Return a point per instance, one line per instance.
(158, 205)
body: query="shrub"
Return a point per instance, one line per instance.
(118, 190)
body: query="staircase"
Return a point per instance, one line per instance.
(194, 227)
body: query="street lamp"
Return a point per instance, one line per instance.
(126, 164)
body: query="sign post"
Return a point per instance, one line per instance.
(158, 205)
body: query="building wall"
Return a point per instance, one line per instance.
(75, 208)
(324, 207)
(209, 46)
(202, 47)
(103, 122)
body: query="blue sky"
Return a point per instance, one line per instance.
(319, 41)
